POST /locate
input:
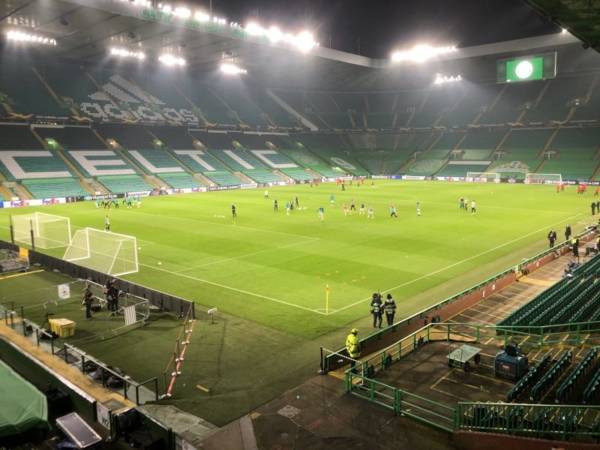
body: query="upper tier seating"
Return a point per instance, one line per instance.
(26, 93)
(512, 101)
(558, 99)
(213, 139)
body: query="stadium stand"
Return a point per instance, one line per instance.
(575, 153)
(126, 136)
(213, 139)
(35, 165)
(180, 180)
(55, 187)
(512, 102)
(558, 99)
(237, 98)
(438, 101)
(572, 298)
(173, 137)
(72, 137)
(119, 184)
(155, 161)
(24, 92)
(223, 178)
(18, 137)
(306, 158)
(521, 152)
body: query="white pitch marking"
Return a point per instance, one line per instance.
(443, 269)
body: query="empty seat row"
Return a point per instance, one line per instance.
(553, 373)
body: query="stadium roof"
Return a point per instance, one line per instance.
(581, 18)
(86, 29)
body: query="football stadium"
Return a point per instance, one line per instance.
(315, 225)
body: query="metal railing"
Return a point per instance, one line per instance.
(17, 321)
(541, 421)
(360, 381)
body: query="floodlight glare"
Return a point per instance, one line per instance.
(421, 53)
(443, 79)
(201, 16)
(304, 41)
(124, 53)
(254, 29)
(21, 36)
(232, 69)
(182, 12)
(274, 34)
(171, 60)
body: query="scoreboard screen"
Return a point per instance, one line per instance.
(527, 68)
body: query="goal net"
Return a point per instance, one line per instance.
(484, 177)
(106, 252)
(543, 178)
(48, 230)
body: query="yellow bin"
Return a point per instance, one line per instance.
(63, 327)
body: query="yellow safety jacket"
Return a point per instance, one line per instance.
(353, 346)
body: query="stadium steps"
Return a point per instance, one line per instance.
(245, 178)
(283, 176)
(229, 108)
(596, 173)
(38, 137)
(4, 191)
(204, 180)
(22, 192)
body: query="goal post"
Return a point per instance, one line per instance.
(493, 177)
(543, 178)
(104, 251)
(47, 230)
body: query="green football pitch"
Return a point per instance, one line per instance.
(273, 268)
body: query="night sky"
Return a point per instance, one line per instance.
(375, 27)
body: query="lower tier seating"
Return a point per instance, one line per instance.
(125, 183)
(180, 180)
(223, 178)
(54, 187)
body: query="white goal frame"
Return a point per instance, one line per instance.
(83, 252)
(37, 223)
(483, 177)
(543, 178)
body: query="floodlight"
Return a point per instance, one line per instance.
(563, 31)
(232, 69)
(171, 60)
(201, 16)
(443, 79)
(21, 36)
(274, 34)
(124, 53)
(182, 12)
(304, 41)
(254, 29)
(421, 53)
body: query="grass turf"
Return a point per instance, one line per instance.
(273, 269)
(268, 273)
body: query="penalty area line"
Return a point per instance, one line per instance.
(231, 288)
(462, 261)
